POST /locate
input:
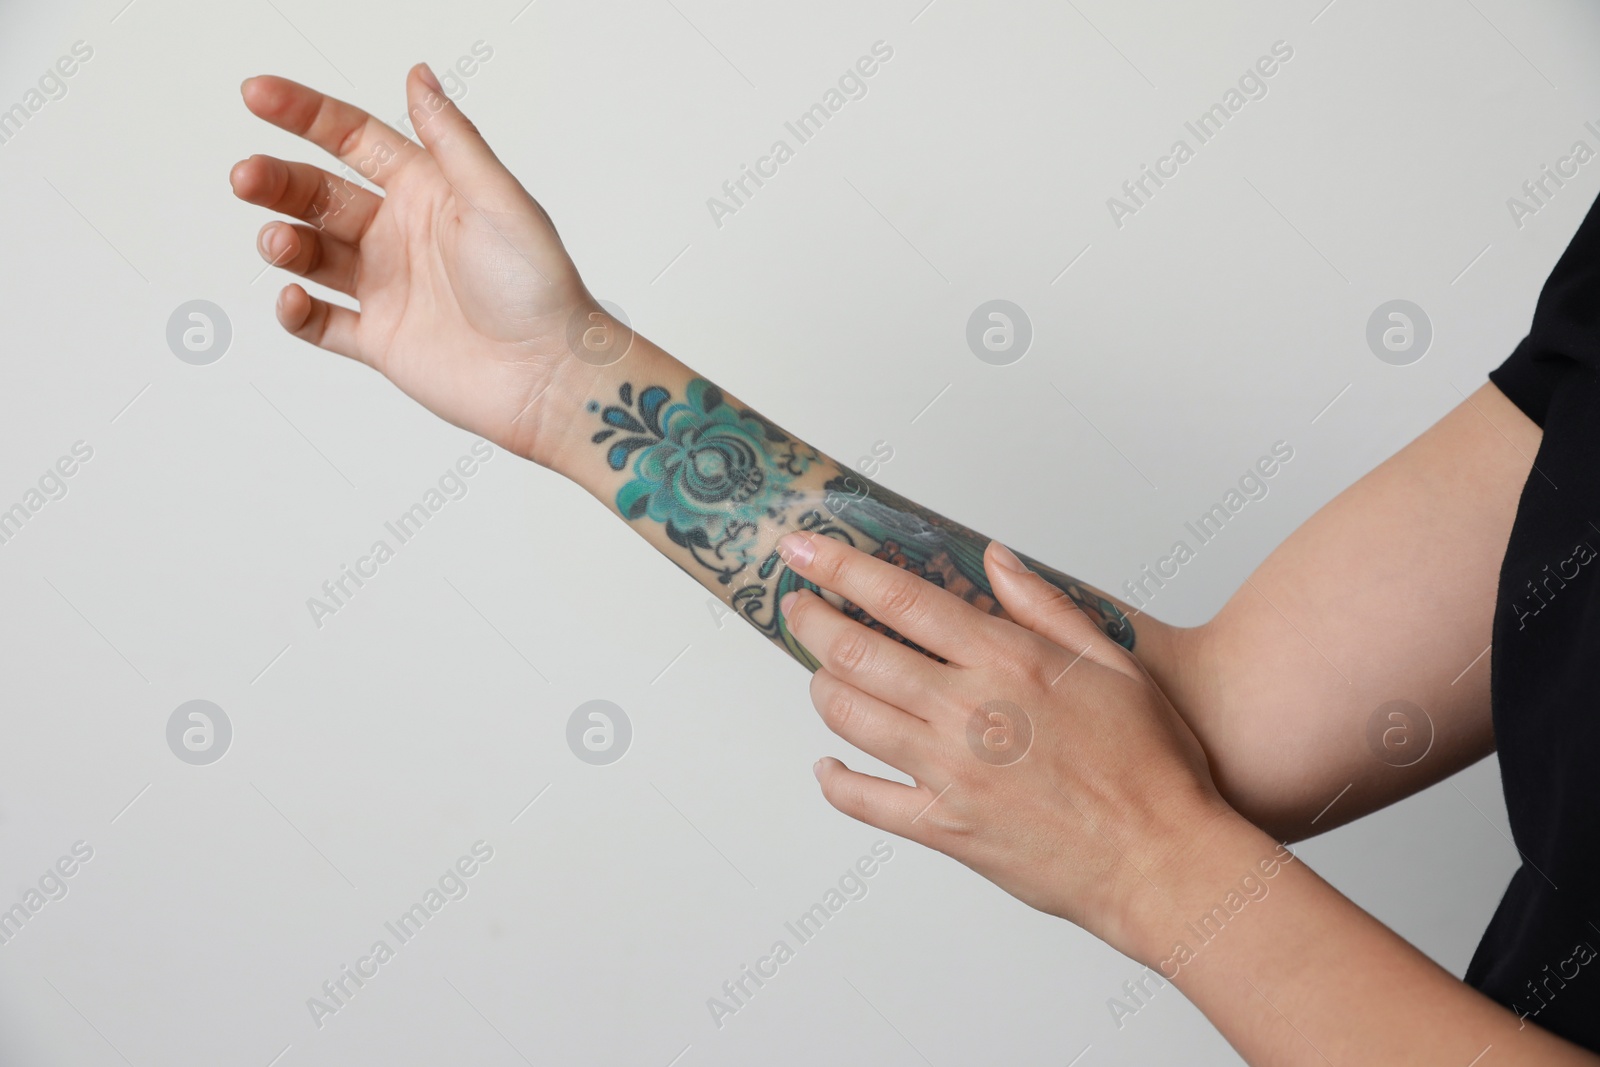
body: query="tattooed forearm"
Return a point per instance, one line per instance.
(724, 484)
(949, 554)
(713, 476)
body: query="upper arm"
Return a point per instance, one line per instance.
(1385, 594)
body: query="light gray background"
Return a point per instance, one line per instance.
(368, 755)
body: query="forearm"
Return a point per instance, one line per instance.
(712, 485)
(1292, 973)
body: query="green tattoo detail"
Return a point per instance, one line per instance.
(722, 480)
(708, 472)
(949, 554)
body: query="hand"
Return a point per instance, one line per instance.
(1043, 756)
(465, 290)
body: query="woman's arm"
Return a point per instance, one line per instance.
(712, 485)
(469, 303)
(1300, 975)
(1386, 594)
(1043, 757)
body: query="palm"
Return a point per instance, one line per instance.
(457, 304)
(464, 288)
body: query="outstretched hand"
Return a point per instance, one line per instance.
(465, 292)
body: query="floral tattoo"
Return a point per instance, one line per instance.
(722, 481)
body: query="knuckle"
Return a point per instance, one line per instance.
(350, 139)
(962, 776)
(1040, 673)
(901, 597)
(851, 651)
(280, 182)
(1056, 602)
(992, 652)
(323, 200)
(841, 711)
(316, 324)
(829, 566)
(302, 196)
(849, 798)
(312, 253)
(1060, 607)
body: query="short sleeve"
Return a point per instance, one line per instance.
(1528, 380)
(1566, 326)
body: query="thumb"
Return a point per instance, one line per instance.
(1049, 610)
(463, 156)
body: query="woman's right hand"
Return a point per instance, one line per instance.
(467, 299)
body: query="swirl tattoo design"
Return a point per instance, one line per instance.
(722, 480)
(709, 473)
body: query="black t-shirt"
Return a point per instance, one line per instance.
(1541, 953)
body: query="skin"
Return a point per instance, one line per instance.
(1098, 764)
(1108, 817)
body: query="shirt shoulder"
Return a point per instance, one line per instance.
(1566, 327)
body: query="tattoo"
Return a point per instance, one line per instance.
(949, 554)
(710, 474)
(722, 481)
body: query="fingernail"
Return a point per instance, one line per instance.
(788, 601)
(816, 769)
(796, 550)
(274, 242)
(425, 72)
(1006, 558)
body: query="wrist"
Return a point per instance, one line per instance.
(598, 356)
(1203, 878)
(558, 418)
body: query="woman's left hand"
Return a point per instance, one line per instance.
(1044, 757)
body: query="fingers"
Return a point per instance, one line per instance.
(933, 617)
(323, 324)
(372, 149)
(463, 156)
(887, 805)
(871, 662)
(881, 730)
(1037, 605)
(299, 190)
(312, 255)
